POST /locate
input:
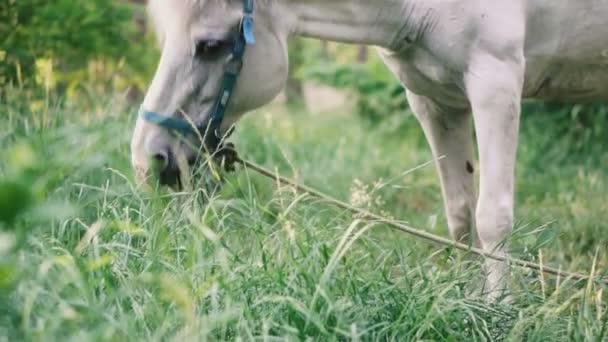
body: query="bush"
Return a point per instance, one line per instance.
(60, 44)
(379, 94)
(566, 131)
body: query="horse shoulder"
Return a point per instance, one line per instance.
(436, 65)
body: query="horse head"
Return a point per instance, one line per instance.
(219, 60)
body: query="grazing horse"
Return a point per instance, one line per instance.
(458, 59)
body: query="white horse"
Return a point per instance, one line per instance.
(458, 59)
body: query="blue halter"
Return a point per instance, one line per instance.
(211, 127)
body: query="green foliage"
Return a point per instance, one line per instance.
(15, 198)
(379, 95)
(60, 44)
(18, 182)
(581, 129)
(262, 262)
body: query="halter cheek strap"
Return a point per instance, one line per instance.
(232, 69)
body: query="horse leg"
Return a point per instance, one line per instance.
(449, 133)
(494, 87)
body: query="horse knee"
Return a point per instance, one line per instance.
(494, 223)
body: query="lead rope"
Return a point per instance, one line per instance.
(428, 237)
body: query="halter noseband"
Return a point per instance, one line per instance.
(210, 129)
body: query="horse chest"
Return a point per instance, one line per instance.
(424, 74)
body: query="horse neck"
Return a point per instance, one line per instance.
(385, 23)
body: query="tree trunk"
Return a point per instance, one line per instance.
(363, 54)
(294, 90)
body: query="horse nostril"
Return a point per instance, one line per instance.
(161, 160)
(169, 173)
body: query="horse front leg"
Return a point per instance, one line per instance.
(494, 87)
(449, 133)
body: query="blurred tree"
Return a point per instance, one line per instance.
(64, 36)
(325, 49)
(363, 54)
(380, 96)
(294, 89)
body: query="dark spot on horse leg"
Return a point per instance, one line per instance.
(470, 168)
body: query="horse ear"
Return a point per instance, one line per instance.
(155, 11)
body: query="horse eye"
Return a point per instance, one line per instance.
(208, 49)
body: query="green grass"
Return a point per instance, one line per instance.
(97, 258)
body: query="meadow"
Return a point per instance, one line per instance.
(91, 255)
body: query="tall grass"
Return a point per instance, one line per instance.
(95, 257)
